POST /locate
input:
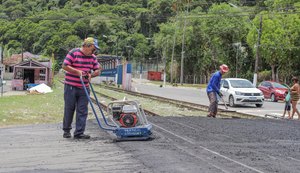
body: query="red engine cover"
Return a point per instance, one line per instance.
(128, 119)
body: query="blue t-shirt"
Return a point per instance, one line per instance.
(214, 82)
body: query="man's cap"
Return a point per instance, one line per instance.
(91, 40)
(224, 68)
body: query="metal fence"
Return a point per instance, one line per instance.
(159, 66)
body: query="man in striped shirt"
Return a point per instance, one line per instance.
(78, 62)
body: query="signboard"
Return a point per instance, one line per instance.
(120, 74)
(109, 72)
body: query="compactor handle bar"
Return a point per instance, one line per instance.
(92, 106)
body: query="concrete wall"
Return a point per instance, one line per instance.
(8, 76)
(99, 80)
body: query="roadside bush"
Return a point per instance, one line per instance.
(264, 75)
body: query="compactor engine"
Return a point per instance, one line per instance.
(128, 117)
(125, 115)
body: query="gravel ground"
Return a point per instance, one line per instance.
(180, 144)
(197, 144)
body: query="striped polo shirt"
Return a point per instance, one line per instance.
(76, 59)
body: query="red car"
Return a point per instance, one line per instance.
(272, 90)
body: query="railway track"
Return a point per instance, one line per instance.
(223, 113)
(151, 113)
(184, 104)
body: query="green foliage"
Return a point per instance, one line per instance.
(208, 31)
(280, 33)
(265, 75)
(82, 27)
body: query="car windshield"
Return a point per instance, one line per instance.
(278, 85)
(241, 84)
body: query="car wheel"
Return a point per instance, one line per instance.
(231, 101)
(258, 105)
(273, 99)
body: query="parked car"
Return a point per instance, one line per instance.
(273, 90)
(238, 91)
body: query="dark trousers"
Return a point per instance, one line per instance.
(213, 103)
(75, 98)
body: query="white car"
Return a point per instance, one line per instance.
(237, 91)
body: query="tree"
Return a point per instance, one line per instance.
(279, 38)
(221, 29)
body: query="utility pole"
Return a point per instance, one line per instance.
(165, 59)
(238, 47)
(182, 48)
(141, 67)
(22, 53)
(257, 52)
(156, 62)
(173, 50)
(1, 54)
(236, 62)
(2, 69)
(182, 53)
(117, 46)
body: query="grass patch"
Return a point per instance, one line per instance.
(33, 109)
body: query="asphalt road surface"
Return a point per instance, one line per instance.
(199, 96)
(200, 144)
(42, 149)
(179, 144)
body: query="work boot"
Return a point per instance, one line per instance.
(67, 135)
(210, 115)
(82, 136)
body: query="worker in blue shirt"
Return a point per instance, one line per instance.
(213, 88)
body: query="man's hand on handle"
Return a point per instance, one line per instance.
(86, 75)
(220, 94)
(81, 73)
(89, 76)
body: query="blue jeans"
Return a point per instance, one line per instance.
(75, 98)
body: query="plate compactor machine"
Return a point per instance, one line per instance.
(128, 118)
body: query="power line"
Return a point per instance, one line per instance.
(206, 15)
(245, 12)
(279, 47)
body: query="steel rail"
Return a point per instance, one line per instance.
(189, 105)
(184, 104)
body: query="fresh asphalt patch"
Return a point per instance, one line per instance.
(179, 144)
